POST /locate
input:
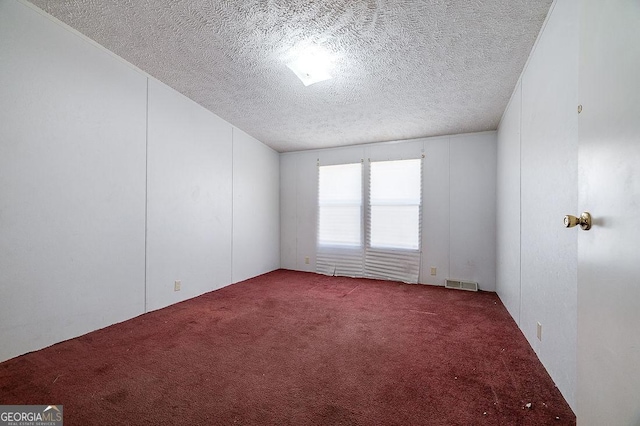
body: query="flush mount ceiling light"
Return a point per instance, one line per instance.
(311, 65)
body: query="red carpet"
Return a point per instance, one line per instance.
(292, 348)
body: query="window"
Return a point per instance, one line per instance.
(391, 215)
(340, 205)
(394, 204)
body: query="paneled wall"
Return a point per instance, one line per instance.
(256, 207)
(189, 198)
(113, 186)
(458, 234)
(537, 186)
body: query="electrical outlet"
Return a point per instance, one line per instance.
(176, 285)
(434, 271)
(539, 331)
(306, 260)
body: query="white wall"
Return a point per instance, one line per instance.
(472, 204)
(256, 207)
(289, 213)
(436, 247)
(74, 183)
(459, 174)
(508, 207)
(189, 198)
(547, 148)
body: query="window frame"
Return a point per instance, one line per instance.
(368, 209)
(361, 205)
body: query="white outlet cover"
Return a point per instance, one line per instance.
(539, 331)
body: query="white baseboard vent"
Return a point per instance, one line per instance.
(461, 285)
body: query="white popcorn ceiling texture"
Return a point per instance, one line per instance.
(403, 69)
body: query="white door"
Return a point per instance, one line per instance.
(608, 383)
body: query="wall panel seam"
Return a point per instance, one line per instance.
(146, 192)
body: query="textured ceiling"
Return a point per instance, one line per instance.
(402, 68)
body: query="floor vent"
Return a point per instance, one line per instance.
(461, 285)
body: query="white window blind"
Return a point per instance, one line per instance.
(395, 198)
(340, 205)
(340, 242)
(394, 220)
(391, 217)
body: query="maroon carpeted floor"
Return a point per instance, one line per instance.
(293, 348)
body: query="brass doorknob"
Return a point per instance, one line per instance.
(584, 221)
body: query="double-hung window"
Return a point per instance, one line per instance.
(394, 204)
(394, 220)
(376, 236)
(340, 205)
